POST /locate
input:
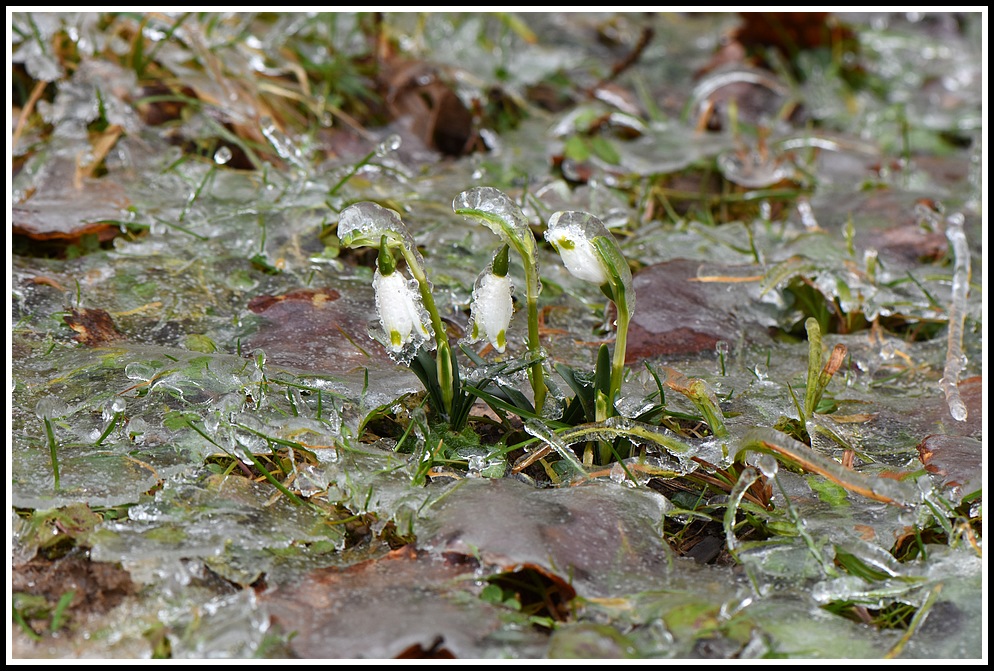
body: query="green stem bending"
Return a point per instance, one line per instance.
(618, 288)
(885, 490)
(443, 360)
(525, 248)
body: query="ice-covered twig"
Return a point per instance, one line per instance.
(955, 359)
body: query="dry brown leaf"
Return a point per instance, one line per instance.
(93, 326)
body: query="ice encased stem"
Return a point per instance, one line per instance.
(583, 239)
(502, 216)
(367, 224)
(955, 359)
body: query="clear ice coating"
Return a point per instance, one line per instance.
(502, 216)
(589, 251)
(406, 320)
(51, 407)
(541, 431)
(747, 478)
(754, 168)
(721, 78)
(491, 309)
(403, 317)
(638, 432)
(365, 223)
(195, 279)
(895, 492)
(955, 359)
(505, 217)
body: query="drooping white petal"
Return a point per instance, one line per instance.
(492, 308)
(400, 310)
(578, 254)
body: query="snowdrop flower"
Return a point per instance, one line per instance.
(398, 304)
(591, 253)
(492, 304)
(504, 217)
(577, 251)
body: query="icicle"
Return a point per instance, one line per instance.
(955, 359)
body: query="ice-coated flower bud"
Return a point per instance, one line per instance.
(492, 304)
(400, 310)
(398, 304)
(577, 251)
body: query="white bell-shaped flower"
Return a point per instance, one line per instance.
(493, 303)
(577, 251)
(492, 308)
(400, 310)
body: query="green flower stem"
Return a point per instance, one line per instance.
(527, 252)
(443, 362)
(620, 344)
(616, 288)
(535, 373)
(368, 224)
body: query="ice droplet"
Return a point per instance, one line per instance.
(618, 474)
(389, 144)
(114, 407)
(766, 463)
(222, 155)
(50, 407)
(139, 371)
(475, 464)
